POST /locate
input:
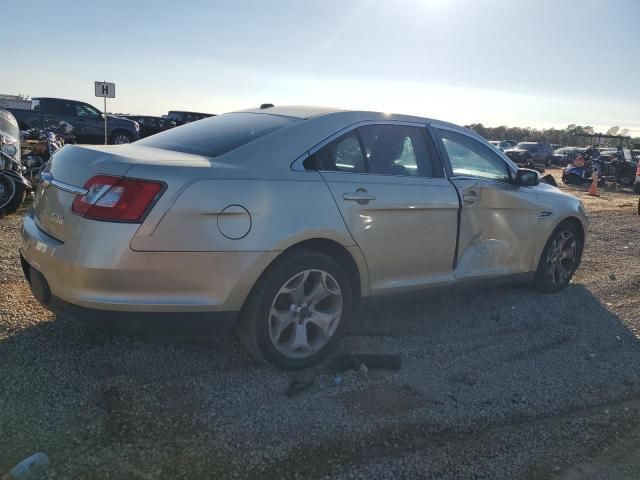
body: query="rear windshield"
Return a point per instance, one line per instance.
(214, 136)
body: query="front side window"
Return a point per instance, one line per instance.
(469, 158)
(85, 111)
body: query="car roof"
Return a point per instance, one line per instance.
(307, 112)
(189, 111)
(57, 98)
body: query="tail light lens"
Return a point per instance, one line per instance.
(638, 170)
(117, 198)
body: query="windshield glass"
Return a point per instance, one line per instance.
(214, 136)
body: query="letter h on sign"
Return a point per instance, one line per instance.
(105, 89)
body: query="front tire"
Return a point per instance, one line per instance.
(298, 310)
(12, 194)
(560, 259)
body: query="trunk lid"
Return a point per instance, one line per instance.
(74, 165)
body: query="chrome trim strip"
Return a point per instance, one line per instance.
(47, 179)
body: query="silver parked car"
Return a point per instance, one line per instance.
(501, 145)
(278, 221)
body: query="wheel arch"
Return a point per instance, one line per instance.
(575, 222)
(119, 130)
(348, 258)
(338, 252)
(571, 220)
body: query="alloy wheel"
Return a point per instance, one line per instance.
(305, 313)
(121, 139)
(562, 257)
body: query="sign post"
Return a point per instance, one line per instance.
(105, 90)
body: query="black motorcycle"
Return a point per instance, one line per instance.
(13, 184)
(38, 146)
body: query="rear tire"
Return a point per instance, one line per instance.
(560, 259)
(12, 194)
(283, 324)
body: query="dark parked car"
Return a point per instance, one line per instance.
(151, 125)
(524, 152)
(182, 117)
(565, 155)
(85, 122)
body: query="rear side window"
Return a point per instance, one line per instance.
(396, 150)
(343, 154)
(217, 135)
(379, 149)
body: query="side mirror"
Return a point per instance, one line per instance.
(527, 178)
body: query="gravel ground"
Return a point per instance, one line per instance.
(501, 384)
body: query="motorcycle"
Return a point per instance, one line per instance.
(13, 184)
(580, 174)
(38, 146)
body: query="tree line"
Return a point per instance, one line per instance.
(562, 136)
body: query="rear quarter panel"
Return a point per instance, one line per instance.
(284, 209)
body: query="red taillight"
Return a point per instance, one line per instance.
(116, 198)
(638, 170)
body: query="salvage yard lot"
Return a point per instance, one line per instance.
(504, 383)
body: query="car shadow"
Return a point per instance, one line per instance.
(467, 358)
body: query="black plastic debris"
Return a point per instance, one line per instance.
(373, 361)
(550, 180)
(300, 381)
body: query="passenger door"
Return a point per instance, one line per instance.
(498, 218)
(401, 211)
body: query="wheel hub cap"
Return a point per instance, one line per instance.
(561, 260)
(305, 313)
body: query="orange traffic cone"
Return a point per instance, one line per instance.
(593, 189)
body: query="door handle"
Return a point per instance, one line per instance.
(360, 195)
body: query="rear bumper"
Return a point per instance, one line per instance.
(164, 323)
(167, 323)
(90, 276)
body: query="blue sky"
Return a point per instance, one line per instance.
(537, 63)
